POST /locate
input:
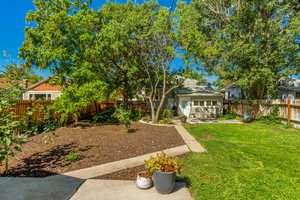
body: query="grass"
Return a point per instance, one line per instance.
(244, 161)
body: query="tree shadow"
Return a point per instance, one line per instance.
(35, 164)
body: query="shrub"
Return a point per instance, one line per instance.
(106, 117)
(123, 116)
(135, 115)
(272, 118)
(72, 156)
(230, 116)
(163, 163)
(168, 114)
(11, 138)
(49, 124)
(165, 121)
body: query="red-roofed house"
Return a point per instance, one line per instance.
(6, 83)
(42, 90)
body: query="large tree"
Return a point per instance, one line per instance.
(77, 42)
(250, 43)
(20, 72)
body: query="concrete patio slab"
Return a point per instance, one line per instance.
(117, 190)
(51, 188)
(111, 167)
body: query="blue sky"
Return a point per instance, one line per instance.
(12, 23)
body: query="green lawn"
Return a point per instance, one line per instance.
(247, 161)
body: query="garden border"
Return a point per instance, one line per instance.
(115, 166)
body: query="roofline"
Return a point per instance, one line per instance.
(38, 83)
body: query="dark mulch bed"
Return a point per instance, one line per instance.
(45, 154)
(127, 174)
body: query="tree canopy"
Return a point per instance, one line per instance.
(20, 72)
(250, 43)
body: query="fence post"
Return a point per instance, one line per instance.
(289, 112)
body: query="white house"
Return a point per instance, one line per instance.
(233, 91)
(196, 100)
(289, 89)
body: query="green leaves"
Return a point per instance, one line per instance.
(249, 43)
(77, 97)
(10, 136)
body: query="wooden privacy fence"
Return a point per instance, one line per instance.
(288, 109)
(38, 111)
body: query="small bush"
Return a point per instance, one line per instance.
(147, 118)
(163, 163)
(106, 117)
(230, 116)
(135, 115)
(123, 116)
(165, 121)
(168, 114)
(31, 127)
(72, 156)
(273, 118)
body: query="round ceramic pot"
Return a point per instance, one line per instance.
(164, 182)
(143, 182)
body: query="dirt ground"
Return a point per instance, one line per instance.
(45, 154)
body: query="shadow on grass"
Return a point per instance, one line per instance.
(35, 165)
(184, 179)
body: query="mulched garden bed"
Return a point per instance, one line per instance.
(127, 174)
(45, 154)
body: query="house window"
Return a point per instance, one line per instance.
(31, 97)
(208, 103)
(40, 96)
(214, 103)
(297, 95)
(197, 109)
(201, 103)
(48, 96)
(196, 103)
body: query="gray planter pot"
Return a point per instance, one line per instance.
(247, 117)
(164, 182)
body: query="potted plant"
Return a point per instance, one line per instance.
(247, 116)
(163, 169)
(143, 180)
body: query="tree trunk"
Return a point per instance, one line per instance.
(152, 111)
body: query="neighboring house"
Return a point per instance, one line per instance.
(42, 90)
(196, 100)
(289, 89)
(233, 91)
(5, 83)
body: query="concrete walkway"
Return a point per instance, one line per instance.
(111, 167)
(119, 190)
(190, 141)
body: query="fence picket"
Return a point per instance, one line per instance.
(288, 109)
